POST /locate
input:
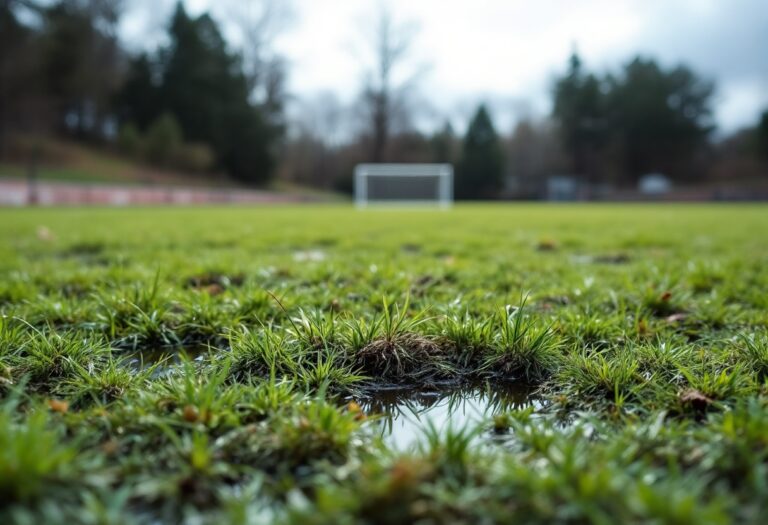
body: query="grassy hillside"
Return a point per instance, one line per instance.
(230, 365)
(66, 161)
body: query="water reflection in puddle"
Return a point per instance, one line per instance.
(165, 360)
(405, 413)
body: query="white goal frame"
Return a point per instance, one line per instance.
(442, 172)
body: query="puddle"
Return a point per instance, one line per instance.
(309, 256)
(405, 413)
(610, 258)
(208, 280)
(165, 359)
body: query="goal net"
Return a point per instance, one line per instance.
(418, 184)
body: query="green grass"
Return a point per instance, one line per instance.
(642, 328)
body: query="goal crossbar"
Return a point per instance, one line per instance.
(367, 175)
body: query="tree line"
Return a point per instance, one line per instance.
(605, 131)
(196, 104)
(192, 104)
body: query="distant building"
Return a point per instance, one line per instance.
(562, 188)
(654, 184)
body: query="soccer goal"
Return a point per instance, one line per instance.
(408, 184)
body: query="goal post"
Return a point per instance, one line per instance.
(404, 184)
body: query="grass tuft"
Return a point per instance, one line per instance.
(522, 348)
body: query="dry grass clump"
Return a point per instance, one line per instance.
(406, 357)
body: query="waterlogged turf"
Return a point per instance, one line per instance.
(509, 363)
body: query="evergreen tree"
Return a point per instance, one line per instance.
(660, 118)
(762, 135)
(139, 100)
(79, 66)
(198, 81)
(443, 145)
(204, 86)
(16, 72)
(482, 165)
(580, 109)
(645, 119)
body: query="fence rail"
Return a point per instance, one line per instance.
(18, 192)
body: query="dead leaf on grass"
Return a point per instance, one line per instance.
(58, 405)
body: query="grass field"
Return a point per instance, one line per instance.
(230, 365)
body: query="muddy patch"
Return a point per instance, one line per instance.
(401, 415)
(213, 282)
(612, 258)
(83, 249)
(547, 245)
(411, 248)
(89, 253)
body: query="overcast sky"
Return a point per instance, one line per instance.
(507, 52)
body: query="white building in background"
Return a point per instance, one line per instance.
(654, 184)
(562, 188)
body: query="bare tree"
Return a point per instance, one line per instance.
(384, 94)
(259, 22)
(317, 138)
(324, 116)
